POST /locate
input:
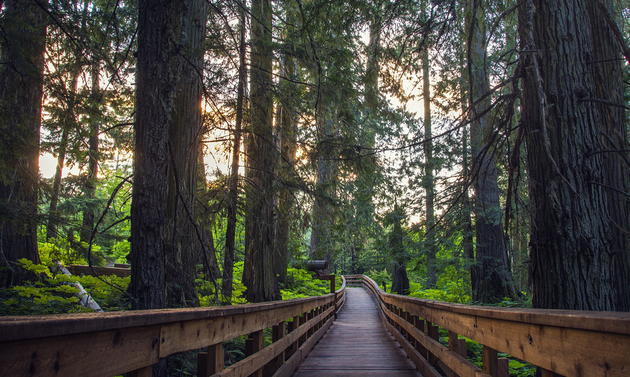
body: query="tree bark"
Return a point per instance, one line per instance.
(258, 274)
(578, 251)
(155, 88)
(232, 205)
(21, 91)
(493, 280)
(429, 184)
(184, 247)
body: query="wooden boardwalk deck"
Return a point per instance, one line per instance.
(357, 344)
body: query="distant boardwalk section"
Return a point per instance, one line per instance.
(357, 344)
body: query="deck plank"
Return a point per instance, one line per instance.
(357, 344)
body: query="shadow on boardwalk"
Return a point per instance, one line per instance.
(357, 344)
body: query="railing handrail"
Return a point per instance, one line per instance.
(563, 341)
(105, 339)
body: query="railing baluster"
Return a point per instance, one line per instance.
(254, 343)
(210, 362)
(493, 365)
(434, 333)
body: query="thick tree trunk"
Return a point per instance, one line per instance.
(183, 247)
(578, 251)
(608, 78)
(21, 90)
(258, 274)
(493, 280)
(155, 87)
(232, 205)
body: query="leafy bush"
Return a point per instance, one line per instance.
(302, 284)
(53, 293)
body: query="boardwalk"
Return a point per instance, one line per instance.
(357, 344)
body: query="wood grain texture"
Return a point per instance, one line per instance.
(357, 344)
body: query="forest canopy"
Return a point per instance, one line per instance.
(468, 151)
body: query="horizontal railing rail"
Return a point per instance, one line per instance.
(108, 344)
(567, 343)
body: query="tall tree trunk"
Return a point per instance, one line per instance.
(322, 213)
(183, 246)
(571, 93)
(287, 130)
(232, 205)
(93, 157)
(21, 91)
(429, 184)
(493, 280)
(155, 87)
(608, 76)
(468, 248)
(258, 274)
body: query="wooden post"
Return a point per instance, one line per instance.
(434, 333)
(292, 326)
(332, 284)
(305, 336)
(419, 324)
(142, 372)
(493, 365)
(277, 333)
(456, 345)
(211, 362)
(254, 343)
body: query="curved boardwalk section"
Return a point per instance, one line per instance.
(357, 344)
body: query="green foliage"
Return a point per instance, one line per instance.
(54, 293)
(382, 278)
(302, 284)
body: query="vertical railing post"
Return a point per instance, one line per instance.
(302, 321)
(277, 333)
(254, 343)
(493, 365)
(456, 345)
(434, 333)
(211, 362)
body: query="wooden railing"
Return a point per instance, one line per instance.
(567, 343)
(108, 344)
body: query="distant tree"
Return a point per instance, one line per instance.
(577, 155)
(400, 280)
(492, 276)
(23, 26)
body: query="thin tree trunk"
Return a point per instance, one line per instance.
(429, 183)
(232, 206)
(51, 228)
(21, 91)
(93, 157)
